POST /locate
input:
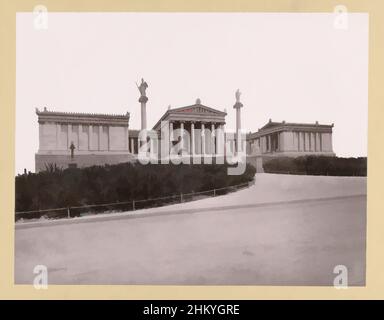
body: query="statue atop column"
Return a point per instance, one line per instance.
(143, 101)
(237, 95)
(142, 88)
(238, 104)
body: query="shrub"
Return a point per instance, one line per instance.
(56, 188)
(318, 165)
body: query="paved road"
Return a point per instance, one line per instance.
(291, 244)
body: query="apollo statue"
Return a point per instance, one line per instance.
(238, 94)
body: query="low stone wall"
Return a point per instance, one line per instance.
(80, 161)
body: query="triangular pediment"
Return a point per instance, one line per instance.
(271, 124)
(195, 112)
(197, 109)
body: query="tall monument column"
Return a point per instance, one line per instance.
(238, 105)
(143, 100)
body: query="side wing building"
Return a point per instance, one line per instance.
(292, 139)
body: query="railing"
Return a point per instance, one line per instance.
(286, 172)
(132, 205)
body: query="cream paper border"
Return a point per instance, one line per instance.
(375, 242)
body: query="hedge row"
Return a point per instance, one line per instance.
(318, 165)
(57, 188)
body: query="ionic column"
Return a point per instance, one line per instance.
(202, 138)
(132, 145)
(213, 147)
(90, 137)
(220, 148)
(192, 138)
(317, 141)
(57, 136)
(108, 138)
(79, 133)
(171, 130)
(302, 141)
(170, 136)
(223, 139)
(269, 143)
(127, 139)
(100, 133)
(312, 141)
(182, 136)
(69, 136)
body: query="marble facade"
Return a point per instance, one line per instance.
(292, 139)
(97, 138)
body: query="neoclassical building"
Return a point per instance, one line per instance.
(199, 121)
(83, 139)
(292, 139)
(97, 139)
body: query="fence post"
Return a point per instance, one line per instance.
(181, 197)
(68, 212)
(214, 192)
(133, 205)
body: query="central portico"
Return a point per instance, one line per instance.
(200, 122)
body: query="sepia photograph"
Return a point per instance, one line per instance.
(191, 148)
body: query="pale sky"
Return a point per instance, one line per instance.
(288, 66)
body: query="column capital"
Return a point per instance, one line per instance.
(238, 105)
